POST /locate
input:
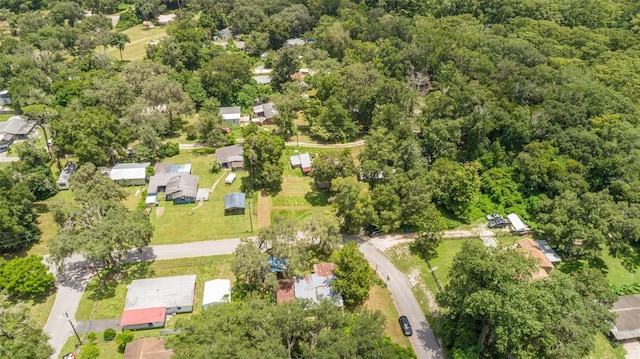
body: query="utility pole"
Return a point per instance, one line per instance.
(73, 327)
(251, 219)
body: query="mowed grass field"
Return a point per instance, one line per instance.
(140, 36)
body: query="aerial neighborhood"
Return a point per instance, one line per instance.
(319, 179)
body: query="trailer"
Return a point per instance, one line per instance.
(230, 178)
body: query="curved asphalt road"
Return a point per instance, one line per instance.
(72, 281)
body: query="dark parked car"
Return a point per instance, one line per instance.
(406, 327)
(493, 216)
(373, 231)
(498, 223)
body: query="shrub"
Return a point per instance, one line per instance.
(109, 334)
(127, 20)
(91, 336)
(89, 351)
(122, 339)
(216, 166)
(168, 149)
(203, 151)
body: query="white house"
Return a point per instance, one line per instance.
(130, 174)
(231, 115)
(216, 291)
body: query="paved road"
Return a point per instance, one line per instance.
(423, 341)
(73, 280)
(190, 146)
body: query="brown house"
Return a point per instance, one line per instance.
(530, 247)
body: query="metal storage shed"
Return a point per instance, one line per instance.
(234, 203)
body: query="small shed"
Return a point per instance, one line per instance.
(234, 203)
(217, 291)
(151, 201)
(285, 291)
(230, 179)
(262, 79)
(303, 161)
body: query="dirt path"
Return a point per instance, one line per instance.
(264, 210)
(218, 180)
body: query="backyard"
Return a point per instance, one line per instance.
(140, 36)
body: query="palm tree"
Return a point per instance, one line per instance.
(120, 40)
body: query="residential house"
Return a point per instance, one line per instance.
(217, 291)
(130, 174)
(294, 42)
(63, 180)
(262, 79)
(302, 161)
(530, 247)
(551, 255)
(285, 291)
(148, 298)
(517, 226)
(265, 111)
(230, 115)
(163, 173)
(164, 19)
(15, 128)
(317, 286)
(627, 325)
(5, 98)
(230, 157)
(182, 188)
(147, 348)
(234, 203)
(224, 34)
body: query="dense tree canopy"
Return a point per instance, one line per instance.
(96, 224)
(21, 338)
(255, 328)
(495, 309)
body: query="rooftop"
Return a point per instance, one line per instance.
(234, 200)
(67, 171)
(230, 154)
(217, 291)
(317, 285)
(143, 316)
(529, 246)
(147, 348)
(129, 171)
(551, 255)
(177, 291)
(17, 125)
(285, 291)
(627, 324)
(182, 184)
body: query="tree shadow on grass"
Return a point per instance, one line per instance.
(317, 197)
(630, 260)
(107, 282)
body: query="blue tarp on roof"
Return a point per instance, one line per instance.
(234, 200)
(277, 264)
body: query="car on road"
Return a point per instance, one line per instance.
(497, 223)
(406, 326)
(373, 231)
(492, 217)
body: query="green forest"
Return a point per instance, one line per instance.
(465, 108)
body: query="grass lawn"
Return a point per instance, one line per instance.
(380, 299)
(185, 223)
(604, 350)
(111, 302)
(41, 307)
(108, 350)
(140, 37)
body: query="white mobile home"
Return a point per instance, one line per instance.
(517, 226)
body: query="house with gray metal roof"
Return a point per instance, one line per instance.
(231, 156)
(174, 293)
(317, 286)
(182, 188)
(234, 203)
(627, 326)
(15, 128)
(163, 173)
(231, 115)
(265, 111)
